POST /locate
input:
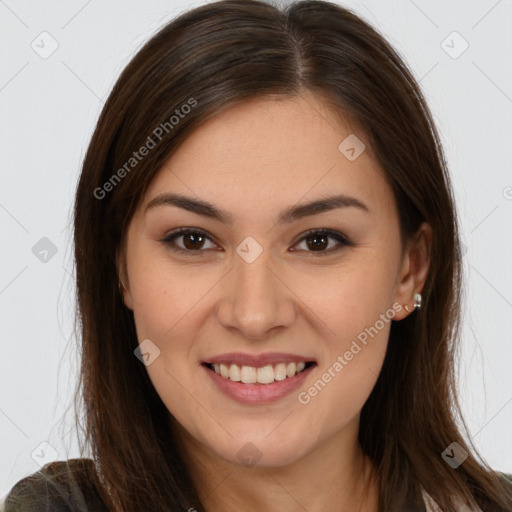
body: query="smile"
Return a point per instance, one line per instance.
(258, 379)
(263, 375)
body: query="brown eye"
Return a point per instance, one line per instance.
(315, 242)
(318, 241)
(193, 240)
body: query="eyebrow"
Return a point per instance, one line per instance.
(286, 216)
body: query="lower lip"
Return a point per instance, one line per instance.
(258, 393)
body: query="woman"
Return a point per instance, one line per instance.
(268, 274)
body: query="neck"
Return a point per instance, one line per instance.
(335, 475)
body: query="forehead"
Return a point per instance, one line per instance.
(267, 151)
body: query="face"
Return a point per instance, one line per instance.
(295, 301)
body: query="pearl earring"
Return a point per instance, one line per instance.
(417, 302)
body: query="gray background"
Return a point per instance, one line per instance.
(49, 107)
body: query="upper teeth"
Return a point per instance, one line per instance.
(264, 375)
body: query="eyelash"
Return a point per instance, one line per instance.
(339, 237)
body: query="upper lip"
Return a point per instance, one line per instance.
(258, 360)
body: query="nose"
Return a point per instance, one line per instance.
(256, 299)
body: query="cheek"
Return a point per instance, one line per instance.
(354, 309)
(349, 297)
(343, 382)
(163, 310)
(163, 303)
(164, 294)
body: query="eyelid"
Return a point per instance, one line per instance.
(342, 239)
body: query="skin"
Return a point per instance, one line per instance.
(254, 160)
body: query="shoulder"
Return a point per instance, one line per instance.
(62, 486)
(431, 506)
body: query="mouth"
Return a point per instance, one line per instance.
(260, 374)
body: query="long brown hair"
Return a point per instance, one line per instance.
(211, 58)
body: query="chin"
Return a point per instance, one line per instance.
(261, 452)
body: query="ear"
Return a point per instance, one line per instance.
(122, 274)
(414, 269)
